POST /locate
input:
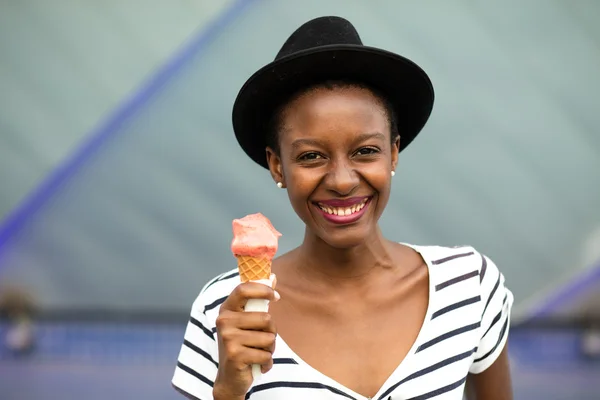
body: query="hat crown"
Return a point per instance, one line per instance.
(319, 32)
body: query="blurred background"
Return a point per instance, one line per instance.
(120, 175)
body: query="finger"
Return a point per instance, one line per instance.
(245, 291)
(274, 285)
(257, 340)
(255, 356)
(264, 368)
(256, 321)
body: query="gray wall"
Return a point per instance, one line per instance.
(509, 161)
(66, 65)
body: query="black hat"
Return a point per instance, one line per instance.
(328, 48)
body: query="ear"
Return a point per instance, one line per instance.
(275, 166)
(395, 152)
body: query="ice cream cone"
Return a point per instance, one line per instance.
(253, 268)
(254, 244)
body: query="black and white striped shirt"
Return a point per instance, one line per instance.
(465, 330)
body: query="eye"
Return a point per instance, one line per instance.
(366, 151)
(310, 156)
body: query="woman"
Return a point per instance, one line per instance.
(354, 315)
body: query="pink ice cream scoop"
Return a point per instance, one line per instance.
(254, 244)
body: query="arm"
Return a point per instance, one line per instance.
(492, 384)
(489, 375)
(197, 364)
(218, 367)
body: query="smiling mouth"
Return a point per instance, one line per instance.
(343, 211)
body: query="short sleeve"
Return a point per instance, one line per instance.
(197, 362)
(497, 301)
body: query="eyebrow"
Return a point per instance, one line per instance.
(361, 138)
(366, 136)
(308, 142)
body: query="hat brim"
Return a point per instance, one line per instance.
(406, 86)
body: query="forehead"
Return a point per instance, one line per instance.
(326, 113)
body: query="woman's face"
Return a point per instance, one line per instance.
(336, 158)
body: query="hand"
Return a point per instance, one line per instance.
(244, 338)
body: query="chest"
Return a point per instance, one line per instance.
(357, 343)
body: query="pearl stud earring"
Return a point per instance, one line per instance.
(279, 185)
(393, 173)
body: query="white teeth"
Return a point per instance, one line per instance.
(343, 210)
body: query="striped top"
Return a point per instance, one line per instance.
(465, 330)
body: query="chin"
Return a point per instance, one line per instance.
(346, 237)
(345, 244)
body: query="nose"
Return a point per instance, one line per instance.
(342, 179)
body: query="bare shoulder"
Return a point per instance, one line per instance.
(408, 258)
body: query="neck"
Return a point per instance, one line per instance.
(325, 263)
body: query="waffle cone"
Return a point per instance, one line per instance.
(253, 268)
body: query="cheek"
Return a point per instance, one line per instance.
(377, 176)
(301, 185)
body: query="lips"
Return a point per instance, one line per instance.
(343, 211)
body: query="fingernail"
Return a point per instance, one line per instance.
(277, 295)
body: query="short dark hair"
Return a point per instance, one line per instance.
(274, 124)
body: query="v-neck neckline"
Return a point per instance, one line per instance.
(399, 371)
